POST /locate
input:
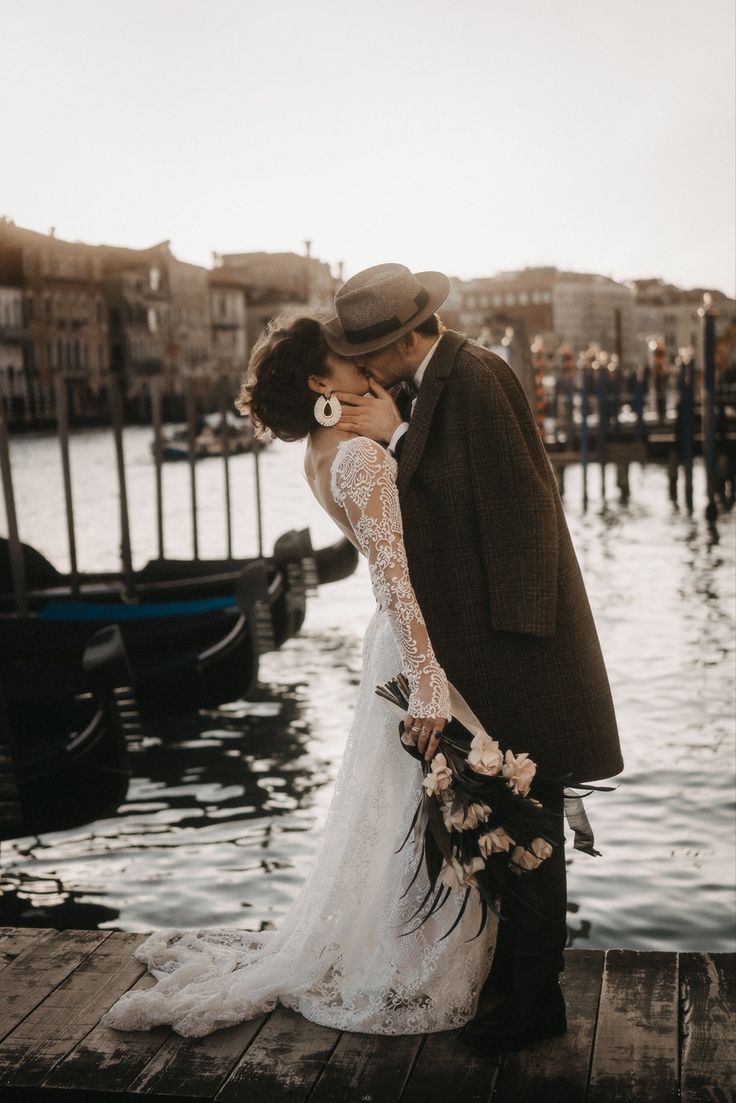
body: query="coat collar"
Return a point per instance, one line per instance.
(438, 369)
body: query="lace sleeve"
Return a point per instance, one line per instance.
(364, 485)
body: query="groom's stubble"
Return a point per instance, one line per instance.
(398, 362)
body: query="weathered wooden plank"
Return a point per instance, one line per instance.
(708, 1028)
(283, 1063)
(635, 1053)
(196, 1067)
(107, 1059)
(15, 941)
(367, 1067)
(557, 1071)
(29, 979)
(47, 1034)
(448, 1071)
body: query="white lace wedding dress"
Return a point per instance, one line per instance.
(342, 955)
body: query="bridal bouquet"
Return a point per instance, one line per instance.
(475, 822)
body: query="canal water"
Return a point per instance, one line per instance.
(225, 808)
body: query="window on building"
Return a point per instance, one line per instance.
(523, 298)
(154, 278)
(152, 320)
(510, 299)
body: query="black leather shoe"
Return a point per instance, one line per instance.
(515, 1025)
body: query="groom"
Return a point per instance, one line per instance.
(496, 577)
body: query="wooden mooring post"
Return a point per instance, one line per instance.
(642, 1028)
(158, 457)
(117, 414)
(191, 407)
(584, 426)
(62, 423)
(708, 352)
(17, 563)
(225, 403)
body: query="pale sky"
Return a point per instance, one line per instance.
(464, 135)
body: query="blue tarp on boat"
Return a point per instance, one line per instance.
(92, 611)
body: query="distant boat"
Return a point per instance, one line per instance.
(64, 758)
(208, 440)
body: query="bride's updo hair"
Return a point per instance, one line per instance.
(275, 392)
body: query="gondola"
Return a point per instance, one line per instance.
(193, 634)
(64, 759)
(184, 655)
(170, 579)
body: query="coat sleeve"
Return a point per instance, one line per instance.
(514, 496)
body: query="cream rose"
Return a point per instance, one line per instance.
(462, 821)
(485, 755)
(519, 771)
(532, 858)
(494, 842)
(454, 875)
(439, 777)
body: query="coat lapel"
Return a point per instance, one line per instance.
(438, 369)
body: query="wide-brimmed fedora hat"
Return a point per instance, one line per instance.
(381, 304)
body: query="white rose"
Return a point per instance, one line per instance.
(454, 874)
(485, 755)
(462, 821)
(519, 771)
(533, 857)
(494, 842)
(439, 777)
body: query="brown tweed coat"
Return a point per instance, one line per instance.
(494, 568)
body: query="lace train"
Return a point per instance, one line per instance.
(342, 956)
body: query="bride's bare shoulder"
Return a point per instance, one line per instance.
(322, 448)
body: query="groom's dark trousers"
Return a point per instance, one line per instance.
(532, 932)
(498, 582)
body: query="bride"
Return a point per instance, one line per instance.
(348, 953)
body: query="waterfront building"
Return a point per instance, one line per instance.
(63, 318)
(159, 316)
(13, 336)
(229, 313)
(668, 315)
(563, 308)
(279, 281)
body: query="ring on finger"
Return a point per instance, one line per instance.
(415, 729)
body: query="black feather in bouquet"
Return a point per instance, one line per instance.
(475, 820)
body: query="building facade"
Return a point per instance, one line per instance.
(669, 315)
(64, 318)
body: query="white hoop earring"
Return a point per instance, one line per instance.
(327, 411)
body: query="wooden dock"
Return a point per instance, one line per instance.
(643, 1028)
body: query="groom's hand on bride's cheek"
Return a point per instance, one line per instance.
(374, 415)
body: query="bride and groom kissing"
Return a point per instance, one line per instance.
(423, 449)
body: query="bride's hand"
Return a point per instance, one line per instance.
(424, 733)
(374, 415)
